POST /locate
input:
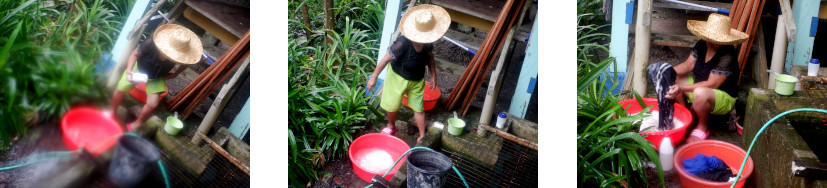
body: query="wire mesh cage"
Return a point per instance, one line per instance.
(516, 166)
(218, 172)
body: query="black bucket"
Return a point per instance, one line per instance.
(132, 159)
(427, 168)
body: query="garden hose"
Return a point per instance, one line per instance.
(420, 147)
(71, 155)
(762, 130)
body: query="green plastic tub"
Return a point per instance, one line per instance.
(784, 84)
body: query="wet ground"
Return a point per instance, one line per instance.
(41, 138)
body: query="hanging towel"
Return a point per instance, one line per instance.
(662, 76)
(708, 167)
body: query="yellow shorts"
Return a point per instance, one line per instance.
(395, 86)
(157, 85)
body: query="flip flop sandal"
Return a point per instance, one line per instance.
(697, 133)
(389, 131)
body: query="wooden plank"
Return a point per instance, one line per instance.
(233, 18)
(789, 21)
(674, 40)
(485, 9)
(619, 45)
(759, 61)
(464, 39)
(521, 98)
(216, 30)
(664, 4)
(217, 148)
(470, 20)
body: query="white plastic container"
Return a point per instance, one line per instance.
(501, 120)
(812, 67)
(666, 154)
(138, 77)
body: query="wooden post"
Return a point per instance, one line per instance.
(496, 76)
(643, 32)
(789, 23)
(146, 17)
(521, 141)
(219, 102)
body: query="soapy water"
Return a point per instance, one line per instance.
(376, 161)
(651, 123)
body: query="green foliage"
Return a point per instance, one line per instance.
(326, 101)
(610, 152)
(48, 59)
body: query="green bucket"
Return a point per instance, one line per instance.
(784, 84)
(173, 125)
(455, 126)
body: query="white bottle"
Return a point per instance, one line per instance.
(812, 67)
(501, 120)
(666, 154)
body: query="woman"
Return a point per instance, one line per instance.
(171, 45)
(713, 62)
(409, 56)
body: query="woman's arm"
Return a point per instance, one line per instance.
(130, 63)
(379, 67)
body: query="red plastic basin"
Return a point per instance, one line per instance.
(675, 135)
(373, 154)
(139, 92)
(732, 155)
(429, 98)
(89, 129)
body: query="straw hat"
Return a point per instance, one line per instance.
(425, 23)
(178, 44)
(716, 29)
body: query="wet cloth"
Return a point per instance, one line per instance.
(396, 86)
(708, 167)
(156, 85)
(662, 76)
(407, 62)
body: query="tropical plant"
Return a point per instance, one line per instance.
(609, 149)
(47, 60)
(591, 44)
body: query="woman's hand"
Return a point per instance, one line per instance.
(673, 92)
(129, 76)
(433, 82)
(371, 83)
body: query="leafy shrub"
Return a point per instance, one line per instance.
(47, 60)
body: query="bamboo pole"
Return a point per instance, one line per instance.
(779, 50)
(643, 31)
(219, 102)
(496, 76)
(241, 166)
(477, 82)
(476, 61)
(521, 141)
